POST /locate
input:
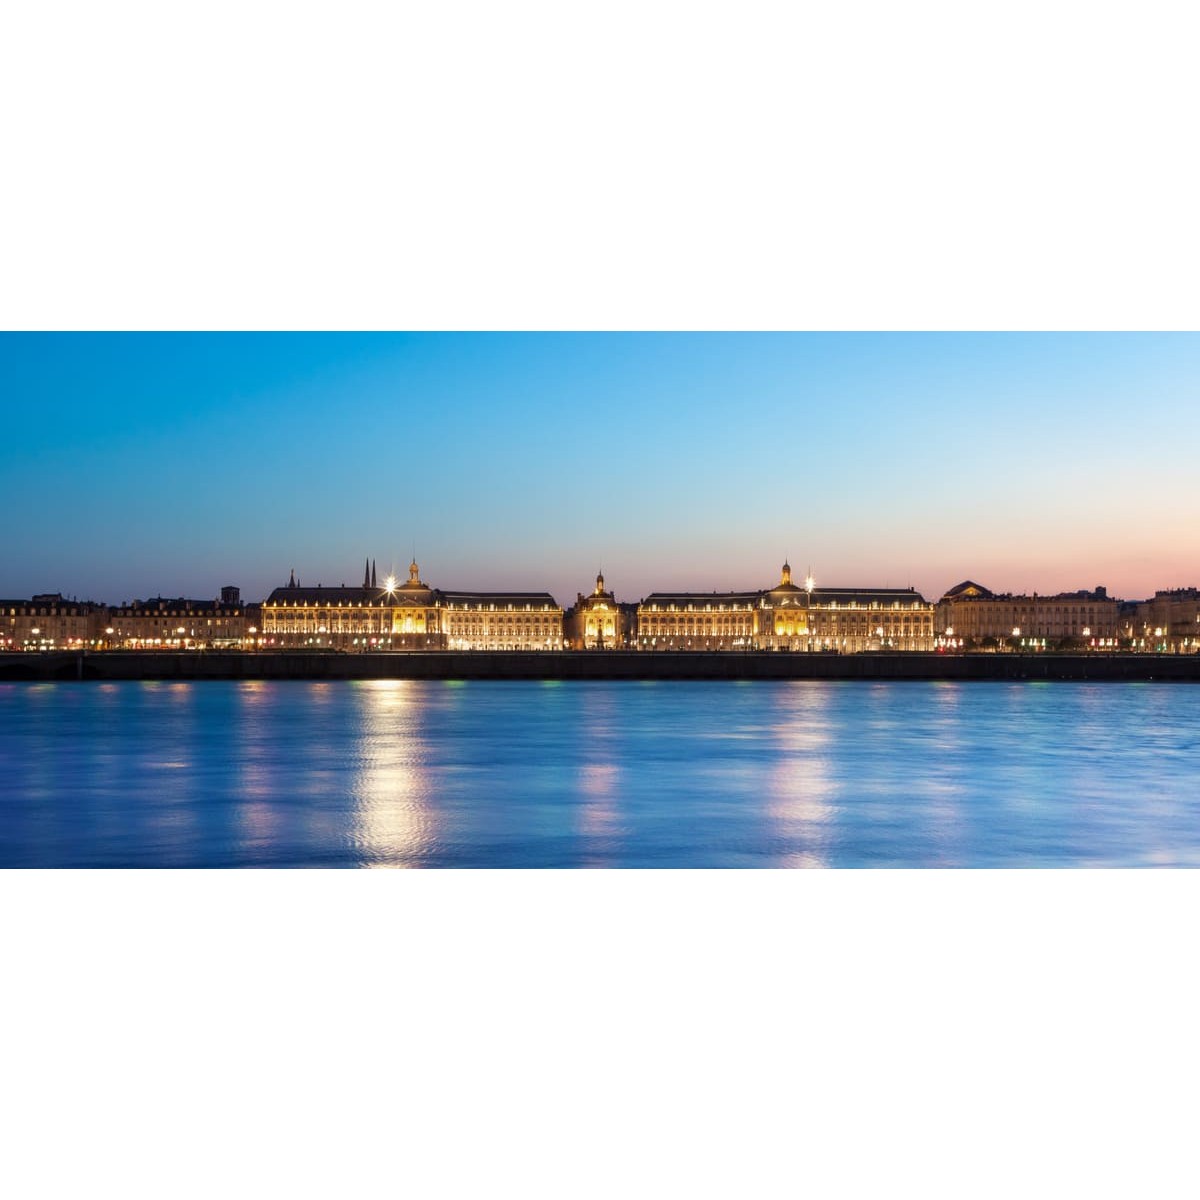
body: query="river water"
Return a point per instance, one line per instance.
(599, 774)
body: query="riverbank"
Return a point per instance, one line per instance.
(603, 664)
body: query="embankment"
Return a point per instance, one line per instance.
(605, 664)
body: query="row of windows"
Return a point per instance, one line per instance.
(26, 611)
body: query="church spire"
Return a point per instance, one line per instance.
(373, 583)
(367, 574)
(292, 578)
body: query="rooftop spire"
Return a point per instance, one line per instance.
(367, 574)
(292, 578)
(373, 583)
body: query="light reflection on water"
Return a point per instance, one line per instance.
(394, 822)
(403, 773)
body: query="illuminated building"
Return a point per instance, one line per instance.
(354, 618)
(48, 622)
(388, 615)
(179, 624)
(787, 617)
(971, 614)
(597, 621)
(697, 621)
(849, 620)
(409, 616)
(502, 621)
(1170, 622)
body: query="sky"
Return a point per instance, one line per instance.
(136, 465)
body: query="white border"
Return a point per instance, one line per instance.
(930, 165)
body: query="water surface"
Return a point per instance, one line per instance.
(594, 774)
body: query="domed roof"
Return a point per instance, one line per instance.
(414, 576)
(785, 583)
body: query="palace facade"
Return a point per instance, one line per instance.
(598, 622)
(409, 616)
(787, 617)
(971, 614)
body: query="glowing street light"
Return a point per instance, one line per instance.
(389, 584)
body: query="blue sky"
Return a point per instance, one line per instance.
(134, 465)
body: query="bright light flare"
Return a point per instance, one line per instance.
(389, 584)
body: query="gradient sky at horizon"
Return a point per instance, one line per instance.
(143, 464)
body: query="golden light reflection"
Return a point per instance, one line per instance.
(600, 779)
(801, 793)
(258, 819)
(943, 791)
(394, 822)
(598, 785)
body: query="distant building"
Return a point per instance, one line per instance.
(972, 614)
(597, 621)
(849, 620)
(1169, 622)
(353, 618)
(697, 621)
(502, 621)
(178, 624)
(409, 616)
(48, 622)
(787, 617)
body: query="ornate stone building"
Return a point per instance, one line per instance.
(971, 613)
(597, 621)
(353, 618)
(502, 621)
(787, 617)
(848, 620)
(697, 621)
(409, 616)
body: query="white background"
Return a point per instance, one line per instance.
(618, 166)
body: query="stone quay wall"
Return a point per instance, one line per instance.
(594, 664)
